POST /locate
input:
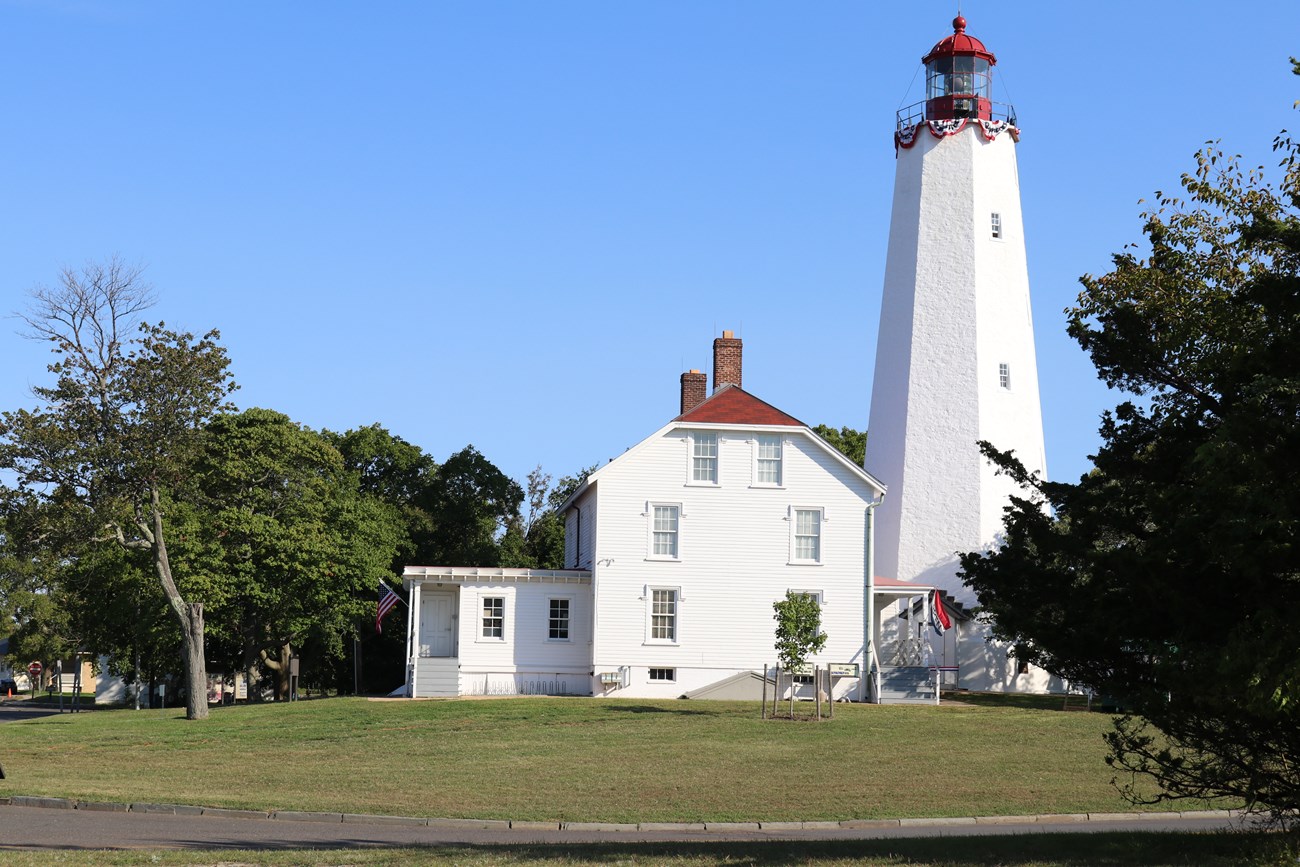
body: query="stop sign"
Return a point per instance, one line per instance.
(34, 669)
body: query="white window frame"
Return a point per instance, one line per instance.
(995, 225)
(793, 518)
(650, 592)
(479, 635)
(672, 674)
(568, 619)
(693, 440)
(759, 441)
(650, 532)
(1004, 375)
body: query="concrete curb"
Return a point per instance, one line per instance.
(302, 816)
(227, 813)
(697, 827)
(598, 826)
(366, 819)
(952, 820)
(103, 806)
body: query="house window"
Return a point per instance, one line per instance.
(663, 615)
(664, 522)
(807, 542)
(663, 674)
(494, 617)
(558, 622)
(997, 224)
(767, 460)
(704, 457)
(1004, 375)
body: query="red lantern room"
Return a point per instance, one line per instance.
(958, 77)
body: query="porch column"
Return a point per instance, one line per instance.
(412, 633)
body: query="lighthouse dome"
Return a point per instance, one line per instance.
(959, 44)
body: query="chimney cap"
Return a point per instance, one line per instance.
(727, 335)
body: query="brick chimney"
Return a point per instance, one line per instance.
(726, 360)
(694, 390)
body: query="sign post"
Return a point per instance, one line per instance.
(33, 673)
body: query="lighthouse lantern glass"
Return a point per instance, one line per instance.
(958, 76)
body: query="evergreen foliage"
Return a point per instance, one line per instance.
(1169, 577)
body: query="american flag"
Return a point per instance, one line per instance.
(387, 602)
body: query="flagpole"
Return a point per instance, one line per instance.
(356, 663)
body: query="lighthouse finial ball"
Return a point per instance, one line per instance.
(959, 24)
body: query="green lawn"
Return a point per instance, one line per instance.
(576, 759)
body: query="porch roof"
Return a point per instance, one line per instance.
(896, 587)
(413, 575)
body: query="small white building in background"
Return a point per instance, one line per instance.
(677, 550)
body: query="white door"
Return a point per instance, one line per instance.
(437, 624)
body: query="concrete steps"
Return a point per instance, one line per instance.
(906, 684)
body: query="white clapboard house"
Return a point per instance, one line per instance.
(676, 551)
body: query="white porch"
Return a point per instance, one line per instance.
(903, 668)
(481, 631)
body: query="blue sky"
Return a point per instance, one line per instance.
(514, 224)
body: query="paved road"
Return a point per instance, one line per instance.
(13, 712)
(40, 828)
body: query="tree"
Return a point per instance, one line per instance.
(116, 434)
(798, 629)
(282, 543)
(849, 442)
(1169, 576)
(401, 475)
(798, 634)
(472, 503)
(543, 526)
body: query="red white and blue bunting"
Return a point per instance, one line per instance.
(990, 129)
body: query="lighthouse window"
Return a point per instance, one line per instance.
(997, 225)
(1004, 375)
(949, 76)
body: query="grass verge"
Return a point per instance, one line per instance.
(1120, 849)
(576, 760)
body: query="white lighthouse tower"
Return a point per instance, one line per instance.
(955, 358)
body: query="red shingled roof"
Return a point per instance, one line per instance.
(733, 405)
